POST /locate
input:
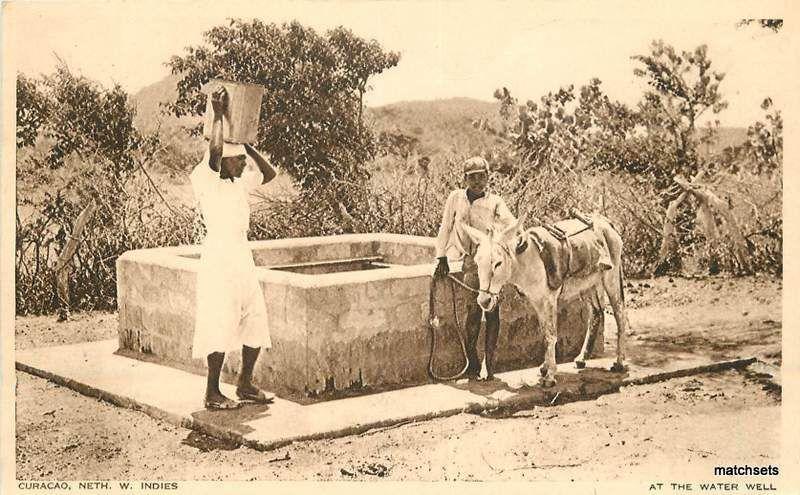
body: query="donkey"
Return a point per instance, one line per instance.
(513, 257)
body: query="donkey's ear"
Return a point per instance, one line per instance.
(512, 230)
(476, 235)
(522, 244)
(521, 221)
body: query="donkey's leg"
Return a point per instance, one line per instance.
(492, 328)
(612, 282)
(548, 316)
(580, 360)
(591, 329)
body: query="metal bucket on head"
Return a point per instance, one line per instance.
(240, 121)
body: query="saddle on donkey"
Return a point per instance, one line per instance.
(570, 248)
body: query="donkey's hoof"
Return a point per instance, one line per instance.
(547, 382)
(580, 364)
(619, 368)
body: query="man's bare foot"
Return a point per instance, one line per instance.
(216, 401)
(250, 392)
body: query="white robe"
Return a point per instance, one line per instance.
(230, 303)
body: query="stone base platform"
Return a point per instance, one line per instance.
(173, 395)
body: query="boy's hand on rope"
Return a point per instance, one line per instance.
(442, 269)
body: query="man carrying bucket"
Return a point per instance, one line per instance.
(231, 314)
(483, 211)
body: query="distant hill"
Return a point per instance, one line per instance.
(183, 150)
(148, 103)
(440, 126)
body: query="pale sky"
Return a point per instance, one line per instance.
(448, 49)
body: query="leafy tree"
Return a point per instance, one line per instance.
(86, 131)
(76, 115)
(545, 135)
(764, 146)
(698, 221)
(657, 140)
(32, 110)
(311, 115)
(569, 131)
(683, 87)
(773, 24)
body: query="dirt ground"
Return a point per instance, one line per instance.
(682, 427)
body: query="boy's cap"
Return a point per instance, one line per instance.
(475, 164)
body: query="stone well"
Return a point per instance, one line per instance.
(347, 314)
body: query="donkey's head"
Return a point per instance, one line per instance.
(496, 259)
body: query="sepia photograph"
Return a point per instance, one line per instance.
(362, 242)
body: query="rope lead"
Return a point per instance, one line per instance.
(433, 322)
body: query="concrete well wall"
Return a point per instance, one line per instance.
(333, 333)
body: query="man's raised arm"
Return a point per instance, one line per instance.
(266, 169)
(219, 102)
